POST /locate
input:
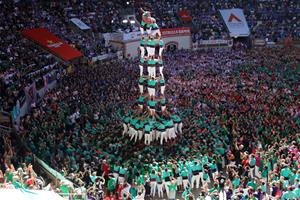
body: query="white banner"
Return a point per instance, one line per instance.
(236, 22)
(80, 24)
(214, 42)
(103, 57)
(132, 36)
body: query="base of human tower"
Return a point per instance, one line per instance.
(142, 125)
(151, 121)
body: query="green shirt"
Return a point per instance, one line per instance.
(151, 62)
(151, 43)
(161, 43)
(151, 103)
(141, 80)
(122, 170)
(152, 83)
(236, 182)
(163, 102)
(285, 172)
(142, 42)
(148, 128)
(141, 99)
(297, 192)
(288, 195)
(111, 184)
(252, 184)
(184, 173)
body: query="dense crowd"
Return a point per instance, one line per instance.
(271, 20)
(240, 114)
(240, 109)
(19, 57)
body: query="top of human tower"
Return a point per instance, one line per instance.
(150, 119)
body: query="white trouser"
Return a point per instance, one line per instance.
(160, 190)
(222, 195)
(141, 106)
(153, 188)
(153, 135)
(257, 174)
(185, 183)
(172, 133)
(141, 87)
(166, 183)
(116, 175)
(206, 182)
(121, 180)
(151, 51)
(157, 135)
(148, 30)
(168, 134)
(214, 174)
(147, 138)
(252, 172)
(196, 179)
(160, 51)
(125, 129)
(152, 71)
(134, 134)
(130, 132)
(179, 180)
(180, 127)
(163, 136)
(201, 177)
(151, 91)
(163, 108)
(140, 134)
(141, 70)
(142, 31)
(176, 127)
(142, 48)
(161, 71)
(152, 111)
(162, 89)
(154, 32)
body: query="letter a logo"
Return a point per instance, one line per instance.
(232, 16)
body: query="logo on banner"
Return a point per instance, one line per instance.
(52, 44)
(232, 17)
(235, 21)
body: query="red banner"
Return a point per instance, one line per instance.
(173, 32)
(184, 15)
(52, 43)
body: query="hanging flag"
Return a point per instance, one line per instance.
(80, 24)
(236, 22)
(52, 43)
(184, 15)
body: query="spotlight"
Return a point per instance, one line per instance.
(127, 2)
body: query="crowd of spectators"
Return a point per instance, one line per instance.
(267, 19)
(240, 109)
(271, 20)
(240, 106)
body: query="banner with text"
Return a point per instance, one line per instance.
(174, 32)
(52, 43)
(236, 22)
(132, 36)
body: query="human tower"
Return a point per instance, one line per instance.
(151, 120)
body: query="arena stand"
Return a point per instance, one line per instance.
(218, 91)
